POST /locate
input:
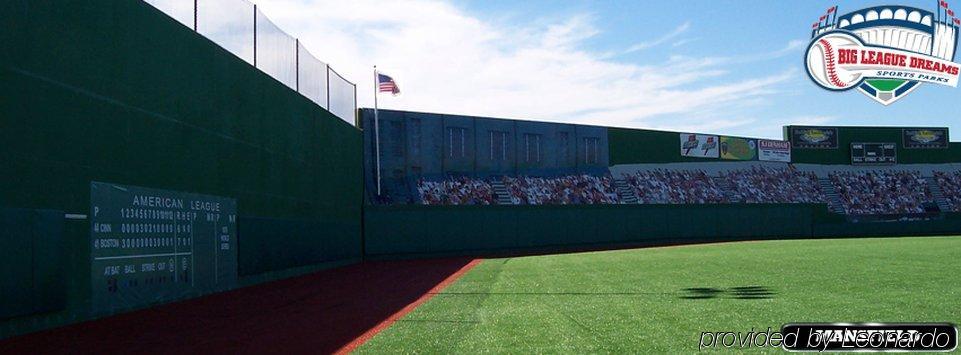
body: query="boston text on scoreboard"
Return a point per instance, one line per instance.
(150, 246)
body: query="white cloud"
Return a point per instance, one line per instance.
(682, 42)
(792, 47)
(667, 37)
(446, 60)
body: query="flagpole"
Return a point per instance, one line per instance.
(834, 22)
(376, 131)
(938, 17)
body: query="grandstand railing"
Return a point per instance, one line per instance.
(240, 28)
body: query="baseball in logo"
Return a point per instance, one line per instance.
(885, 52)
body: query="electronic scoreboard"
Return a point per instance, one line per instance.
(874, 153)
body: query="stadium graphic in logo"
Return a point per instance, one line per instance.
(925, 136)
(815, 136)
(885, 52)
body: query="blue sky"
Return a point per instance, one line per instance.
(731, 67)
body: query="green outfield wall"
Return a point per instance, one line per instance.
(415, 230)
(634, 146)
(115, 91)
(641, 146)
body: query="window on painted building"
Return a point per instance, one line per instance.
(456, 146)
(397, 138)
(498, 143)
(415, 137)
(532, 148)
(591, 150)
(563, 148)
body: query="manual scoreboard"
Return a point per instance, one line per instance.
(150, 246)
(874, 153)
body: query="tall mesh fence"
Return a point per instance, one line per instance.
(312, 76)
(343, 101)
(230, 24)
(180, 10)
(240, 28)
(276, 52)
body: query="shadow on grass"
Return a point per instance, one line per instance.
(740, 292)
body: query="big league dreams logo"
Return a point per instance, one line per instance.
(885, 52)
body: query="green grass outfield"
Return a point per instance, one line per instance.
(661, 299)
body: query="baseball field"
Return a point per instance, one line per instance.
(661, 300)
(650, 300)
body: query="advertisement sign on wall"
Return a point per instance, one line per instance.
(699, 145)
(738, 148)
(769, 150)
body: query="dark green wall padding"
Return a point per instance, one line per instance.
(636, 146)
(33, 250)
(415, 230)
(116, 91)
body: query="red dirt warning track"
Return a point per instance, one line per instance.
(330, 311)
(346, 349)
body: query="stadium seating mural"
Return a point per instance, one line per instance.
(774, 185)
(675, 187)
(862, 192)
(950, 184)
(878, 192)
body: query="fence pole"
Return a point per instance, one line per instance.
(356, 112)
(377, 131)
(195, 15)
(255, 35)
(297, 63)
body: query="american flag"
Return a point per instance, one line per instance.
(387, 84)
